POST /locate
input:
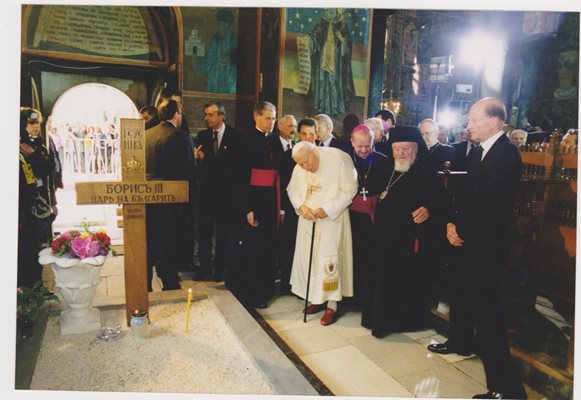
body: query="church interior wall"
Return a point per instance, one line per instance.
(537, 44)
(539, 77)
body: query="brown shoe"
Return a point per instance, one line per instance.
(315, 308)
(330, 317)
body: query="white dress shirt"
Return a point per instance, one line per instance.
(487, 144)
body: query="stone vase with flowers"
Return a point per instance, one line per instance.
(76, 258)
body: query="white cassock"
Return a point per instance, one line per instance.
(332, 187)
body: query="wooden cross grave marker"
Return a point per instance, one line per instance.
(133, 192)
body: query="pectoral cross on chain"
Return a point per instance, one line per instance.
(364, 192)
(311, 188)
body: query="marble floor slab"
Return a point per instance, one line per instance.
(348, 373)
(312, 339)
(397, 354)
(442, 381)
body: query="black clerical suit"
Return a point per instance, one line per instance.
(371, 175)
(288, 226)
(217, 206)
(439, 154)
(169, 156)
(256, 273)
(482, 214)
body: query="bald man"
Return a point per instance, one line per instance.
(479, 228)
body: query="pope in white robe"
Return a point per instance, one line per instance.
(322, 186)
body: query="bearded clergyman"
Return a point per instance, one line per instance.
(409, 219)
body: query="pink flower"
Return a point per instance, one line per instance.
(84, 244)
(84, 248)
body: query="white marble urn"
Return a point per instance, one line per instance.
(77, 281)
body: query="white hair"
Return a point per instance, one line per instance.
(374, 124)
(302, 145)
(519, 131)
(324, 118)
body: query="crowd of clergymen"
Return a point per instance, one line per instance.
(365, 219)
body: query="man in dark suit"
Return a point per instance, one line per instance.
(438, 153)
(283, 139)
(480, 227)
(462, 151)
(258, 186)
(325, 132)
(169, 156)
(217, 151)
(169, 93)
(282, 144)
(388, 117)
(149, 115)
(308, 130)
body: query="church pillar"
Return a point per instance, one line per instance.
(377, 60)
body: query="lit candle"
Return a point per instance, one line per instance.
(190, 297)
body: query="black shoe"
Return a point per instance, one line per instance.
(491, 395)
(446, 348)
(261, 306)
(380, 334)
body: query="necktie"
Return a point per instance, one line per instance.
(215, 142)
(471, 147)
(474, 157)
(288, 146)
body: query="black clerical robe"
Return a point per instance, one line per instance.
(397, 296)
(439, 154)
(372, 175)
(256, 271)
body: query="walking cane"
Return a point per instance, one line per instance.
(309, 273)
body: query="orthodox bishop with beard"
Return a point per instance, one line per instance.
(322, 186)
(409, 217)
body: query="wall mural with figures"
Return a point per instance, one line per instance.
(219, 61)
(325, 62)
